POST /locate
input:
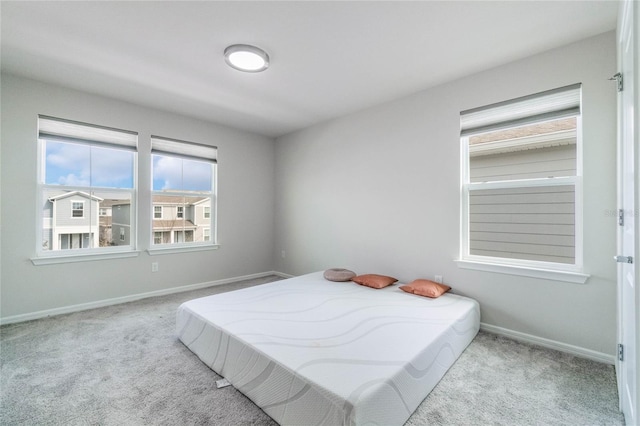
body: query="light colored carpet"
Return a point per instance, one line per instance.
(122, 365)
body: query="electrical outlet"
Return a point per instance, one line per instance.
(438, 279)
(154, 267)
(283, 254)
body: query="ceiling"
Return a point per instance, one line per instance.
(328, 59)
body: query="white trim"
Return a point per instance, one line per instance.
(180, 248)
(81, 257)
(117, 300)
(525, 271)
(283, 275)
(522, 183)
(550, 344)
(81, 209)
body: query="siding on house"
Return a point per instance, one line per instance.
(120, 218)
(528, 164)
(524, 223)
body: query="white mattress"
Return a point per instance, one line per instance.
(314, 352)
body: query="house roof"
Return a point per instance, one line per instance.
(174, 200)
(540, 135)
(75, 194)
(111, 203)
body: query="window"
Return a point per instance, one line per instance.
(183, 178)
(84, 169)
(77, 209)
(158, 237)
(521, 182)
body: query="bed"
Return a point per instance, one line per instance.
(314, 352)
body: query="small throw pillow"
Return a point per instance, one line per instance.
(374, 280)
(426, 288)
(338, 274)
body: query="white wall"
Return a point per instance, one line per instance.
(245, 203)
(378, 192)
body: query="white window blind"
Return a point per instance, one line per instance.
(160, 145)
(552, 104)
(56, 128)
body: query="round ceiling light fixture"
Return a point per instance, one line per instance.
(244, 57)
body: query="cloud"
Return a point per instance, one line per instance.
(73, 180)
(84, 165)
(180, 174)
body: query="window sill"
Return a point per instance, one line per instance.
(181, 249)
(524, 271)
(56, 259)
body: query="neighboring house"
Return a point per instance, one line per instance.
(75, 219)
(181, 219)
(105, 214)
(71, 221)
(121, 223)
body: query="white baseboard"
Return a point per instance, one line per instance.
(117, 300)
(551, 344)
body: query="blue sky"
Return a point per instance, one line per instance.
(171, 173)
(77, 164)
(84, 165)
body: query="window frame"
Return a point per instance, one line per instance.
(186, 151)
(160, 210)
(531, 268)
(74, 209)
(81, 133)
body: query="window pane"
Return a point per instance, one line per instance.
(77, 209)
(178, 174)
(534, 223)
(102, 215)
(76, 164)
(182, 220)
(541, 150)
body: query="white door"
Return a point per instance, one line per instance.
(627, 240)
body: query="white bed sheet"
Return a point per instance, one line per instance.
(314, 352)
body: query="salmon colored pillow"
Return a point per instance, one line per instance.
(426, 288)
(374, 280)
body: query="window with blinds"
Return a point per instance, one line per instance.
(183, 193)
(521, 181)
(86, 185)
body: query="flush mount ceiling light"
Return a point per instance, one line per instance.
(246, 58)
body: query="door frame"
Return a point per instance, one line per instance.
(629, 14)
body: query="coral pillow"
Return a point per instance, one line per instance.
(425, 288)
(338, 274)
(374, 280)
